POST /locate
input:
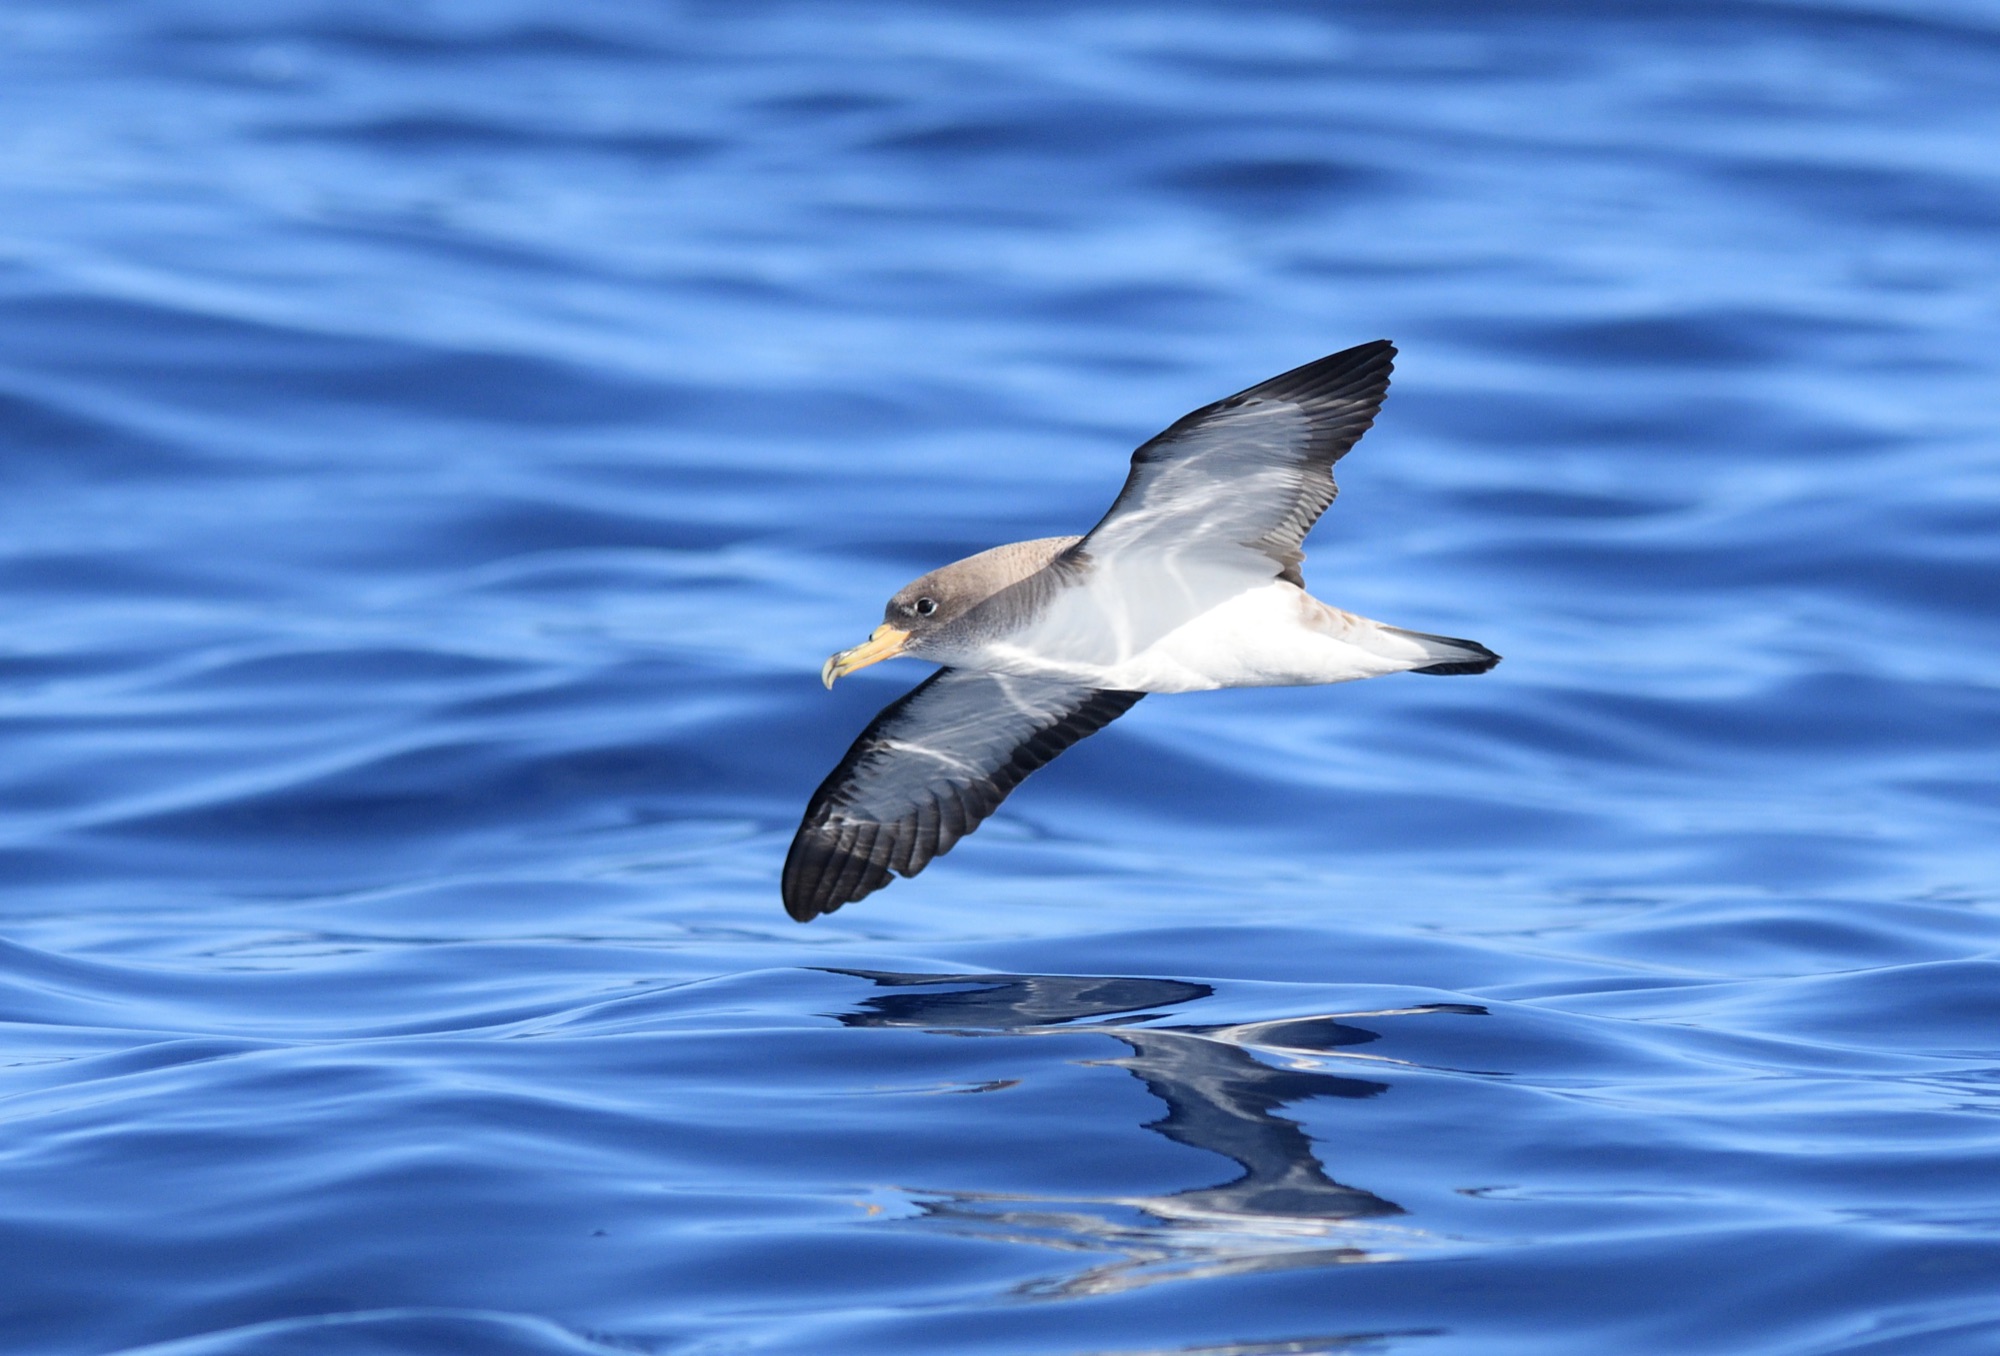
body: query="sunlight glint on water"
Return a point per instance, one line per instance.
(444, 440)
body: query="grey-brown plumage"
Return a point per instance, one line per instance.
(1275, 444)
(927, 770)
(1190, 581)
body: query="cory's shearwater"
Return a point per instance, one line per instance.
(1191, 581)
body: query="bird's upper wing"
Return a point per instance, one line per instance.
(925, 772)
(1235, 486)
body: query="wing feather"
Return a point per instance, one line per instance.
(1239, 483)
(926, 772)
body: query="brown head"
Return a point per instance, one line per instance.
(926, 615)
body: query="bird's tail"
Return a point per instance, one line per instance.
(1447, 654)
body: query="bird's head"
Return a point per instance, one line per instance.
(924, 618)
(919, 612)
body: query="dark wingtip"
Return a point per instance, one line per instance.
(837, 858)
(820, 877)
(1348, 374)
(800, 900)
(805, 884)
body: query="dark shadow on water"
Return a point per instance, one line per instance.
(1281, 1211)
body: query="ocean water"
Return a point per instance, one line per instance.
(440, 442)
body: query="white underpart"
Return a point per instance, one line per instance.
(1273, 634)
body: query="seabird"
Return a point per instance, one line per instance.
(1190, 582)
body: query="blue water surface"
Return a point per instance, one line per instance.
(440, 441)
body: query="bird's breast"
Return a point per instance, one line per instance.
(1270, 635)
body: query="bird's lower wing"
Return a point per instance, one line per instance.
(933, 765)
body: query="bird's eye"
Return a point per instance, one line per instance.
(926, 606)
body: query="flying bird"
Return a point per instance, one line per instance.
(1189, 582)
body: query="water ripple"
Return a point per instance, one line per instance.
(443, 442)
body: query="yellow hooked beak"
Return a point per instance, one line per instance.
(886, 642)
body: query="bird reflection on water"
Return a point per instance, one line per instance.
(1282, 1211)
